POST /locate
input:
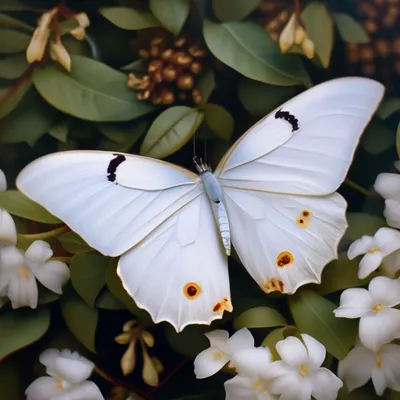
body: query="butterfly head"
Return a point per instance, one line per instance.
(201, 166)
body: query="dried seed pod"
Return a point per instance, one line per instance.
(154, 51)
(197, 51)
(196, 67)
(167, 97)
(180, 42)
(185, 82)
(183, 59)
(154, 66)
(170, 73)
(196, 96)
(167, 55)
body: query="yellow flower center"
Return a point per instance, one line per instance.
(303, 369)
(59, 384)
(373, 249)
(218, 355)
(379, 362)
(259, 384)
(24, 272)
(378, 308)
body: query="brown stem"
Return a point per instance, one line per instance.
(297, 10)
(172, 373)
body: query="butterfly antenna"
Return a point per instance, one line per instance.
(194, 146)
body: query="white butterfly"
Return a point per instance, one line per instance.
(272, 194)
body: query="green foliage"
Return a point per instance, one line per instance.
(362, 224)
(13, 41)
(73, 243)
(129, 18)
(378, 138)
(13, 66)
(259, 317)
(350, 30)
(172, 14)
(276, 336)
(236, 10)
(219, 121)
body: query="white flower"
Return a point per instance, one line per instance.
(19, 270)
(388, 186)
(299, 375)
(384, 244)
(251, 382)
(3, 181)
(379, 321)
(8, 231)
(221, 349)
(68, 378)
(362, 364)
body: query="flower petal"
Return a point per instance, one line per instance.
(354, 303)
(73, 367)
(276, 369)
(286, 38)
(390, 357)
(360, 246)
(48, 358)
(391, 264)
(53, 275)
(8, 231)
(37, 253)
(218, 338)
(292, 351)
(392, 213)
(388, 185)
(240, 388)
(369, 263)
(388, 240)
(356, 368)
(23, 291)
(385, 290)
(325, 384)
(252, 362)
(83, 391)
(42, 388)
(240, 340)
(380, 328)
(59, 53)
(3, 181)
(209, 362)
(292, 386)
(11, 258)
(379, 381)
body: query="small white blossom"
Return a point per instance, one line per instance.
(68, 373)
(383, 246)
(362, 364)
(251, 382)
(19, 270)
(379, 321)
(8, 231)
(299, 375)
(221, 349)
(3, 181)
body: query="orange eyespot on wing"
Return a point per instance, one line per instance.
(304, 218)
(306, 213)
(192, 290)
(284, 259)
(273, 285)
(223, 305)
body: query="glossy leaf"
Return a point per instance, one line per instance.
(170, 131)
(341, 274)
(21, 327)
(12, 101)
(349, 29)
(60, 130)
(206, 85)
(92, 91)
(13, 66)
(389, 107)
(319, 28)
(18, 204)
(88, 275)
(129, 18)
(234, 9)
(80, 319)
(245, 47)
(219, 120)
(362, 224)
(107, 301)
(172, 13)
(313, 314)
(377, 138)
(6, 21)
(259, 317)
(13, 41)
(73, 243)
(46, 296)
(259, 98)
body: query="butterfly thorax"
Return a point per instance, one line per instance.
(214, 193)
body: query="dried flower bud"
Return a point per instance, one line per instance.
(196, 67)
(287, 36)
(148, 338)
(154, 51)
(382, 47)
(167, 97)
(127, 327)
(180, 42)
(155, 65)
(123, 338)
(366, 53)
(149, 372)
(157, 76)
(299, 35)
(352, 53)
(183, 59)
(83, 21)
(143, 53)
(60, 54)
(157, 41)
(167, 54)
(185, 82)
(128, 360)
(308, 48)
(197, 51)
(169, 73)
(273, 25)
(196, 96)
(371, 26)
(157, 364)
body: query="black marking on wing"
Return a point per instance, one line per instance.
(112, 167)
(289, 118)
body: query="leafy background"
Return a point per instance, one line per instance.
(102, 103)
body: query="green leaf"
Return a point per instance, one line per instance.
(107, 301)
(389, 107)
(314, 315)
(18, 204)
(190, 342)
(398, 140)
(362, 393)
(46, 296)
(233, 10)
(259, 317)
(377, 138)
(73, 243)
(362, 224)
(349, 29)
(60, 130)
(129, 18)
(245, 47)
(341, 274)
(80, 318)
(170, 131)
(9, 105)
(21, 327)
(13, 41)
(172, 13)
(92, 91)
(13, 66)
(219, 120)
(7, 21)
(88, 275)
(259, 98)
(14, 5)
(206, 85)
(275, 336)
(319, 28)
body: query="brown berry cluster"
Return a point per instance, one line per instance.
(379, 58)
(173, 68)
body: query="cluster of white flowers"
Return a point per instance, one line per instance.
(19, 270)
(298, 375)
(68, 373)
(374, 356)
